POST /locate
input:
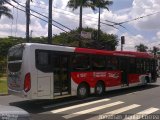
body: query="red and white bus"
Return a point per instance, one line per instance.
(41, 71)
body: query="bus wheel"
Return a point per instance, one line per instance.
(99, 89)
(83, 91)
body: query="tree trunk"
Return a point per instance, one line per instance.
(80, 25)
(80, 19)
(99, 18)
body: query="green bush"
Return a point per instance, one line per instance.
(3, 85)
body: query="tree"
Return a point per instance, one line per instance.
(75, 4)
(91, 4)
(5, 44)
(155, 50)
(100, 4)
(107, 41)
(141, 48)
(5, 10)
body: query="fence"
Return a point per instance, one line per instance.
(3, 81)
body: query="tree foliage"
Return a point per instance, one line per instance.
(141, 47)
(72, 38)
(75, 4)
(106, 41)
(5, 10)
(6, 43)
(101, 4)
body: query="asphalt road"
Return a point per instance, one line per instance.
(135, 103)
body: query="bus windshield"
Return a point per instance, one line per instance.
(15, 58)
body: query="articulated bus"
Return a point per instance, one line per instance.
(41, 71)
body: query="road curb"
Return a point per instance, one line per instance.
(4, 94)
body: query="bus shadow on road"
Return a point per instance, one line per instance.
(125, 91)
(39, 106)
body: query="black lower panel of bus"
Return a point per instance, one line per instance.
(125, 79)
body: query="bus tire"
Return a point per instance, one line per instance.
(83, 90)
(100, 88)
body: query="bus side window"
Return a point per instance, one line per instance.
(55, 61)
(132, 65)
(138, 66)
(112, 63)
(98, 62)
(43, 60)
(81, 62)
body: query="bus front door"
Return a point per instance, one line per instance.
(61, 75)
(124, 68)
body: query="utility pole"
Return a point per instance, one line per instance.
(80, 23)
(50, 23)
(27, 19)
(99, 18)
(31, 35)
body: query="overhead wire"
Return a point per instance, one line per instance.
(70, 13)
(86, 17)
(59, 12)
(114, 23)
(43, 15)
(54, 25)
(111, 25)
(35, 16)
(16, 22)
(44, 20)
(135, 19)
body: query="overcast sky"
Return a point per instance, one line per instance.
(145, 30)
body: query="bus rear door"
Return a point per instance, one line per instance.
(61, 74)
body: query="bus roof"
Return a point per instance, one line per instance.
(93, 51)
(115, 53)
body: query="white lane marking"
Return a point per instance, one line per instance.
(114, 112)
(141, 114)
(91, 110)
(123, 109)
(77, 106)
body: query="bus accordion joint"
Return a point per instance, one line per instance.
(27, 82)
